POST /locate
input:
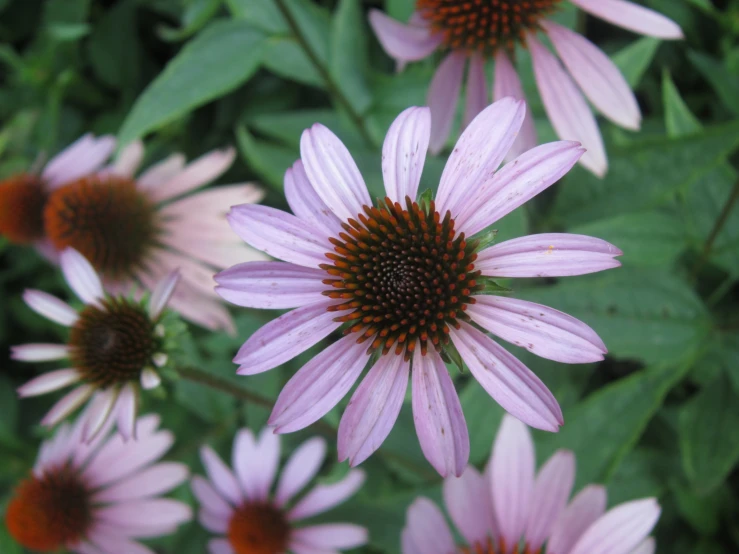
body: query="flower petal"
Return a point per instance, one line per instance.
(442, 98)
(467, 500)
(212, 522)
(197, 173)
(404, 153)
(152, 481)
(507, 380)
(101, 409)
(49, 382)
(39, 352)
(162, 293)
(82, 157)
(305, 202)
(125, 411)
(587, 506)
(129, 160)
(209, 498)
(331, 536)
(633, 17)
(161, 172)
(255, 462)
(81, 276)
(221, 476)
(219, 546)
(507, 83)
(477, 89)
(427, 529)
(300, 469)
(68, 404)
(150, 379)
(402, 42)
(324, 497)
(50, 307)
(648, 546)
(140, 514)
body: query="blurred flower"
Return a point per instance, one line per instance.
(255, 521)
(487, 29)
(408, 284)
(137, 230)
(509, 507)
(114, 345)
(98, 498)
(23, 196)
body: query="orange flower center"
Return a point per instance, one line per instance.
(107, 219)
(484, 25)
(258, 529)
(405, 275)
(50, 512)
(22, 199)
(489, 548)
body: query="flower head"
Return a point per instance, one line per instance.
(409, 284)
(511, 509)
(115, 344)
(138, 229)
(252, 520)
(478, 30)
(98, 497)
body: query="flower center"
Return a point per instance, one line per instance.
(489, 548)
(112, 345)
(258, 529)
(106, 219)
(404, 274)
(484, 25)
(22, 199)
(49, 512)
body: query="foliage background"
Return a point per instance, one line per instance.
(659, 417)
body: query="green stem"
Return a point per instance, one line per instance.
(718, 226)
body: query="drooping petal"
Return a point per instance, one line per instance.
(129, 160)
(596, 75)
(507, 380)
(402, 42)
(544, 331)
(49, 382)
(39, 352)
(101, 409)
(68, 404)
(162, 293)
(50, 307)
(221, 476)
(81, 276)
(568, 111)
(255, 462)
(82, 157)
(125, 411)
(153, 481)
(442, 98)
(209, 498)
(506, 83)
(467, 500)
(427, 529)
(300, 469)
(548, 255)
(324, 497)
(633, 17)
(587, 506)
(404, 153)
(197, 173)
(477, 89)
(373, 409)
(437, 413)
(330, 536)
(305, 202)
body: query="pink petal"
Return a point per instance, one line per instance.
(648, 546)
(85, 156)
(125, 411)
(161, 172)
(212, 522)
(287, 336)
(215, 202)
(324, 497)
(300, 469)
(437, 413)
(197, 173)
(548, 255)
(145, 513)
(255, 462)
(319, 385)
(221, 476)
(621, 529)
(129, 160)
(153, 481)
(585, 508)
(333, 173)
(81, 276)
(512, 467)
(427, 529)
(271, 285)
(477, 89)
(507, 83)
(68, 404)
(404, 153)
(516, 183)
(101, 408)
(544, 331)
(567, 109)
(402, 42)
(467, 500)
(150, 379)
(39, 352)
(50, 307)
(279, 234)
(373, 409)
(331, 536)
(209, 498)
(597, 76)
(49, 382)
(305, 202)
(633, 17)
(110, 543)
(162, 293)
(477, 155)
(507, 380)
(219, 546)
(442, 98)
(551, 492)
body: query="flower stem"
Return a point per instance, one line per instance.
(325, 74)
(718, 226)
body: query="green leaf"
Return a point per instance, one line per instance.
(114, 49)
(679, 120)
(269, 160)
(483, 416)
(723, 81)
(635, 59)
(286, 58)
(703, 512)
(197, 14)
(263, 14)
(218, 60)
(349, 53)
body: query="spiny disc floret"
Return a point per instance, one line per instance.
(405, 276)
(258, 528)
(22, 199)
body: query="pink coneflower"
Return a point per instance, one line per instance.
(115, 346)
(98, 498)
(510, 509)
(409, 286)
(239, 504)
(477, 30)
(138, 229)
(23, 196)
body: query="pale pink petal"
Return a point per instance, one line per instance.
(85, 156)
(129, 160)
(477, 89)
(256, 462)
(331, 536)
(568, 111)
(219, 546)
(587, 506)
(150, 379)
(39, 352)
(548, 255)
(49, 382)
(213, 201)
(512, 467)
(305, 202)
(162, 293)
(211, 314)
(621, 529)
(515, 184)
(209, 498)
(648, 546)
(477, 155)
(215, 252)
(549, 499)
(437, 414)
(319, 385)
(507, 380)
(300, 469)
(197, 173)
(596, 75)
(86, 548)
(442, 98)
(153, 481)
(467, 500)
(161, 172)
(50, 307)
(221, 476)
(213, 522)
(271, 285)
(633, 17)
(68, 404)
(111, 543)
(404, 153)
(287, 336)
(101, 408)
(402, 42)
(544, 331)
(139, 514)
(373, 409)
(125, 411)
(280, 234)
(507, 83)
(324, 497)
(81, 276)
(427, 529)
